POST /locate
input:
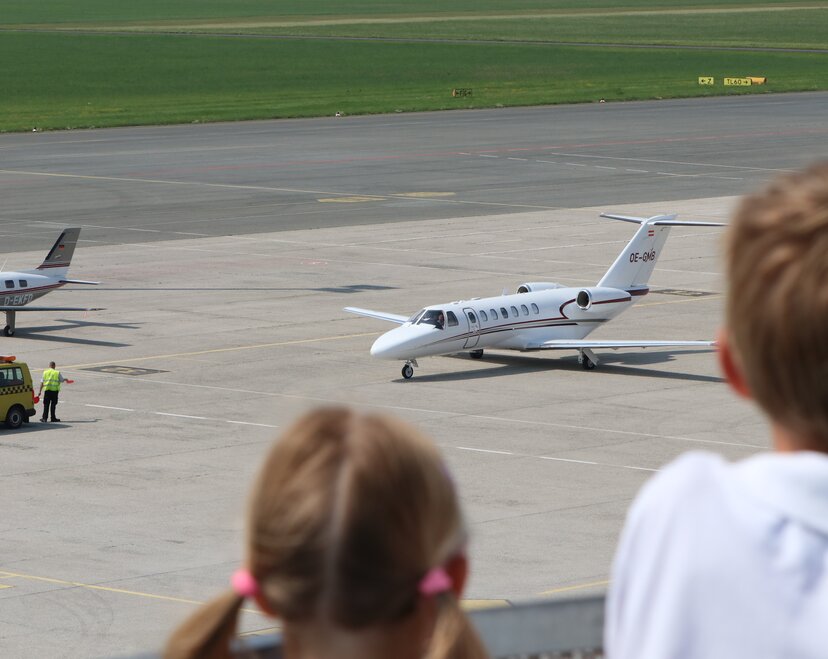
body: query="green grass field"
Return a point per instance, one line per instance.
(63, 76)
(90, 12)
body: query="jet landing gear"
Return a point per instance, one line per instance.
(587, 359)
(476, 354)
(8, 330)
(408, 369)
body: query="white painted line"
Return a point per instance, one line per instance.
(603, 167)
(484, 155)
(446, 413)
(483, 450)
(575, 164)
(109, 407)
(551, 162)
(676, 162)
(640, 171)
(249, 423)
(584, 462)
(671, 174)
(548, 457)
(727, 178)
(184, 416)
(521, 159)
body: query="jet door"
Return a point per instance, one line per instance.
(474, 328)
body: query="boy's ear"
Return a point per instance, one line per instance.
(730, 366)
(458, 570)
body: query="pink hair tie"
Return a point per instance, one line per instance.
(435, 581)
(244, 583)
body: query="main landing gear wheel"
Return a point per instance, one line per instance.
(476, 354)
(408, 371)
(587, 363)
(8, 330)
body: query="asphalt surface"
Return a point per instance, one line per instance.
(225, 266)
(142, 184)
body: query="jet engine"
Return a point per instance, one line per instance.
(531, 287)
(589, 296)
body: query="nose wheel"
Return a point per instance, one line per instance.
(408, 369)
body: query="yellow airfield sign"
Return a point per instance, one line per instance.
(738, 82)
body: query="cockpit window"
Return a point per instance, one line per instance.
(433, 317)
(413, 320)
(452, 319)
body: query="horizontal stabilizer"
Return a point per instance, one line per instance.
(574, 344)
(381, 315)
(679, 223)
(624, 218)
(79, 281)
(27, 308)
(665, 221)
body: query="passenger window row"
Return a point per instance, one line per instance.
(505, 314)
(23, 283)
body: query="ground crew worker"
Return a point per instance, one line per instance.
(51, 383)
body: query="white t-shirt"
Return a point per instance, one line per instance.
(725, 560)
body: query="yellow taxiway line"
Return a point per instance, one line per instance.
(583, 586)
(233, 349)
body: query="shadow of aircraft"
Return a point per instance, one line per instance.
(611, 364)
(347, 288)
(41, 332)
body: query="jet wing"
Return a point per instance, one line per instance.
(51, 309)
(575, 344)
(390, 317)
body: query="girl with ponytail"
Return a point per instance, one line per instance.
(355, 543)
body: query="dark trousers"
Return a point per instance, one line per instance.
(50, 400)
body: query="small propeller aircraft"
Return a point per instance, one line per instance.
(540, 315)
(17, 289)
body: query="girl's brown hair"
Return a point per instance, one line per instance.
(349, 512)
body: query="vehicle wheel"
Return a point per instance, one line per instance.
(408, 371)
(476, 354)
(8, 331)
(588, 364)
(15, 416)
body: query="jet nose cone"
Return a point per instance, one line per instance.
(384, 346)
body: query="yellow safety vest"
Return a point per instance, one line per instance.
(51, 379)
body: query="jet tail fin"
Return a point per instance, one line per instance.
(636, 262)
(60, 256)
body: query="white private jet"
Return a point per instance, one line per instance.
(17, 289)
(541, 315)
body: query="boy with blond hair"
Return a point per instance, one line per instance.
(723, 559)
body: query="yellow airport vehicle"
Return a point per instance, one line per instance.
(17, 397)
